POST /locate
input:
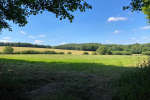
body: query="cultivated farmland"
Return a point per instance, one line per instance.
(74, 52)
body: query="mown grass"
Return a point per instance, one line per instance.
(61, 77)
(116, 60)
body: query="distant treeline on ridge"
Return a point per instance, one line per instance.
(19, 44)
(133, 48)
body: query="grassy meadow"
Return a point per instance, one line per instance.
(62, 77)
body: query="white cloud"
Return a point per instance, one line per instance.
(38, 41)
(137, 40)
(42, 36)
(134, 29)
(146, 27)
(22, 32)
(144, 37)
(5, 41)
(109, 41)
(6, 37)
(133, 38)
(117, 18)
(31, 37)
(116, 31)
(63, 43)
(63, 37)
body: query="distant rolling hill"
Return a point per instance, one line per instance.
(74, 52)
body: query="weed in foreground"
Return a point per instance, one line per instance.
(133, 85)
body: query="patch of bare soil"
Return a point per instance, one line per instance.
(71, 85)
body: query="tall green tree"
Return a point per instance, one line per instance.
(146, 11)
(8, 50)
(102, 50)
(19, 10)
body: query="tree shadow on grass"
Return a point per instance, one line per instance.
(38, 80)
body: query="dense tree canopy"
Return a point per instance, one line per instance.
(19, 44)
(133, 48)
(140, 5)
(19, 10)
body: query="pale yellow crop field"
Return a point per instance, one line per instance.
(74, 52)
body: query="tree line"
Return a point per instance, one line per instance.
(19, 44)
(133, 48)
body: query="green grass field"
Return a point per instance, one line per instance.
(62, 77)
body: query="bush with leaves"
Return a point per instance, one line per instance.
(146, 53)
(69, 53)
(49, 52)
(127, 53)
(17, 52)
(108, 52)
(85, 53)
(121, 53)
(39, 52)
(60, 53)
(28, 52)
(117, 53)
(8, 50)
(102, 50)
(94, 53)
(132, 85)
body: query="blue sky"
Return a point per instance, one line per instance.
(105, 23)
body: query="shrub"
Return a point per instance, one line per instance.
(108, 52)
(1, 52)
(127, 53)
(17, 52)
(133, 85)
(53, 52)
(60, 53)
(146, 53)
(8, 50)
(117, 53)
(39, 52)
(121, 53)
(69, 53)
(102, 50)
(28, 52)
(85, 53)
(94, 53)
(49, 52)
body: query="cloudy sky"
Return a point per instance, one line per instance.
(106, 23)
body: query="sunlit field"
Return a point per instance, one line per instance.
(115, 60)
(62, 77)
(74, 52)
